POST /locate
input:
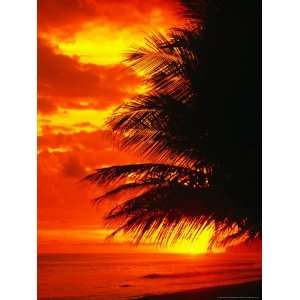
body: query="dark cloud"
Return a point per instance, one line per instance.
(73, 167)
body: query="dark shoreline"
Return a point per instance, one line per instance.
(249, 290)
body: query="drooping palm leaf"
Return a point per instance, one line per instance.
(160, 211)
(201, 113)
(174, 195)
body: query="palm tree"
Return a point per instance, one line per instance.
(199, 125)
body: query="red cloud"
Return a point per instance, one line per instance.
(63, 160)
(64, 82)
(65, 17)
(85, 149)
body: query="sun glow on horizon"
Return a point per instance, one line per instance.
(193, 247)
(97, 242)
(97, 238)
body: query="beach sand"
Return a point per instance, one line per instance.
(244, 291)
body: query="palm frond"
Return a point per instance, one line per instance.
(167, 63)
(159, 213)
(195, 10)
(172, 197)
(126, 187)
(200, 121)
(161, 126)
(150, 174)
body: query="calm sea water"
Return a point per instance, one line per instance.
(127, 276)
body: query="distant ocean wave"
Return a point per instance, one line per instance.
(125, 276)
(193, 274)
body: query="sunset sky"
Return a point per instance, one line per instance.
(81, 78)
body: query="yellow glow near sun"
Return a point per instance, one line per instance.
(184, 238)
(198, 246)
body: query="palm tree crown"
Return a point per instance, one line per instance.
(199, 124)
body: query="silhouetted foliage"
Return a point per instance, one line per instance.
(200, 123)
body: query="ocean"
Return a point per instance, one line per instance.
(131, 275)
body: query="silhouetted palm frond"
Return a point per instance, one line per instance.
(160, 212)
(168, 63)
(200, 123)
(160, 125)
(151, 173)
(171, 197)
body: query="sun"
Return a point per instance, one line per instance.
(200, 245)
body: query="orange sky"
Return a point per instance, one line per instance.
(80, 80)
